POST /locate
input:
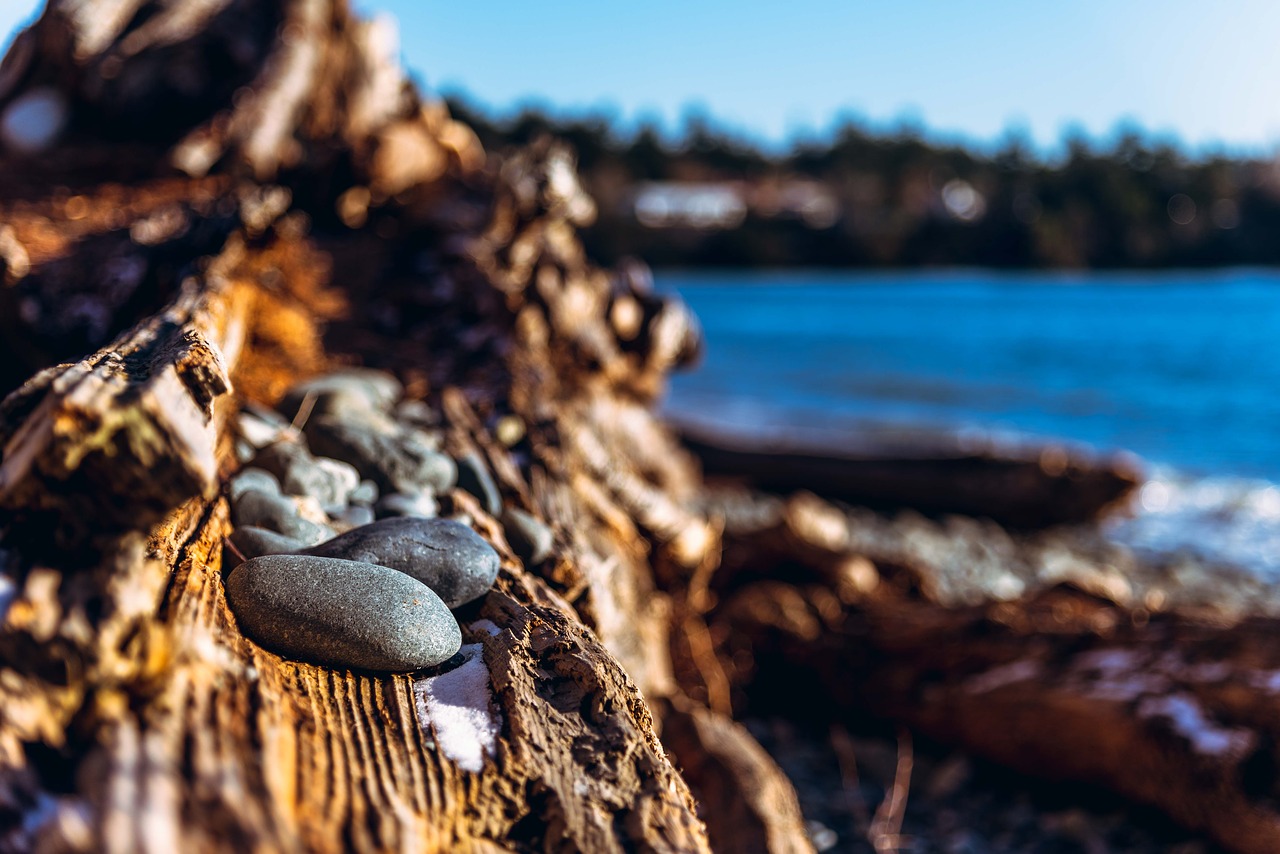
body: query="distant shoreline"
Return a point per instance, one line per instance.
(747, 273)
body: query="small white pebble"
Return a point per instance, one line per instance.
(33, 120)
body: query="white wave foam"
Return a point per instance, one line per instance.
(1220, 519)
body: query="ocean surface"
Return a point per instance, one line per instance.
(1180, 368)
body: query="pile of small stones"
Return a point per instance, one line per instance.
(346, 562)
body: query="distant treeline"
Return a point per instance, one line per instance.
(896, 200)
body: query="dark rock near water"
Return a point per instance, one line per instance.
(529, 537)
(344, 393)
(474, 477)
(448, 557)
(396, 462)
(252, 541)
(421, 505)
(276, 513)
(341, 613)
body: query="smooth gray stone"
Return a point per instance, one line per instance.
(365, 494)
(419, 413)
(252, 541)
(529, 538)
(421, 505)
(396, 462)
(330, 482)
(341, 613)
(276, 513)
(253, 478)
(261, 427)
(279, 456)
(451, 559)
(243, 451)
(353, 516)
(333, 481)
(474, 477)
(342, 393)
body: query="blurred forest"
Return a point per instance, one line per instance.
(896, 200)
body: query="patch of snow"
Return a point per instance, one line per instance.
(1005, 674)
(33, 120)
(1118, 675)
(1265, 680)
(458, 708)
(1223, 520)
(1189, 721)
(487, 626)
(1108, 662)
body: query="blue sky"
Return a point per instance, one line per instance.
(1204, 73)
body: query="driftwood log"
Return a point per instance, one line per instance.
(1021, 488)
(202, 203)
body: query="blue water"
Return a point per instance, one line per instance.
(1182, 368)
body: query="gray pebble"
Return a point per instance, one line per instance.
(344, 393)
(254, 478)
(341, 613)
(418, 413)
(252, 541)
(365, 494)
(340, 480)
(418, 504)
(276, 513)
(260, 428)
(430, 439)
(352, 517)
(451, 559)
(529, 538)
(330, 482)
(396, 462)
(243, 450)
(474, 477)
